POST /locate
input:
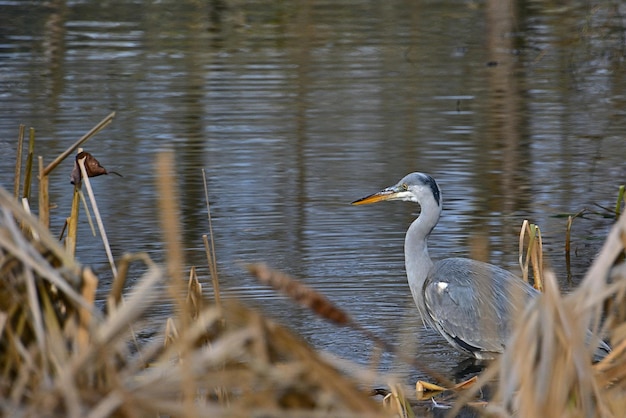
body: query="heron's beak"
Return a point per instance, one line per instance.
(386, 194)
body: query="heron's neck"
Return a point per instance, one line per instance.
(417, 261)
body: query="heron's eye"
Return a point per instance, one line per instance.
(405, 187)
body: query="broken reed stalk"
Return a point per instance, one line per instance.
(537, 258)
(210, 247)
(72, 223)
(43, 183)
(117, 286)
(18, 162)
(29, 164)
(101, 125)
(26, 207)
(568, 243)
(534, 253)
(96, 213)
(44, 200)
(194, 294)
(523, 262)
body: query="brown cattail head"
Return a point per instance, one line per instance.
(299, 292)
(92, 166)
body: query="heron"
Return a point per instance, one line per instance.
(471, 303)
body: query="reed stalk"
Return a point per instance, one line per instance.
(533, 255)
(170, 227)
(97, 128)
(71, 239)
(194, 294)
(90, 285)
(169, 219)
(209, 247)
(96, 212)
(29, 164)
(18, 162)
(44, 199)
(119, 281)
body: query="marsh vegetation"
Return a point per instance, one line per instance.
(63, 355)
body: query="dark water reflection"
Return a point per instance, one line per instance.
(294, 110)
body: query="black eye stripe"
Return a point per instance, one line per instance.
(435, 189)
(430, 182)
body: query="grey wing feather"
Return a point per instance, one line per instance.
(474, 302)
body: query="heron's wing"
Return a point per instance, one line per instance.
(473, 303)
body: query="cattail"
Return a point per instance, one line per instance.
(299, 292)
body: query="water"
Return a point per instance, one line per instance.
(296, 109)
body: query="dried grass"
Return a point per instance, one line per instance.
(248, 365)
(547, 369)
(60, 356)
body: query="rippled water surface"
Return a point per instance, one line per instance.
(294, 109)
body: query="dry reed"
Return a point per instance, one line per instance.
(300, 293)
(60, 356)
(257, 365)
(534, 254)
(547, 368)
(18, 162)
(209, 247)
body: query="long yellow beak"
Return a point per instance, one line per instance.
(376, 197)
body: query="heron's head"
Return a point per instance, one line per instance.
(414, 187)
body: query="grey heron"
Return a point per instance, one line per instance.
(471, 303)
